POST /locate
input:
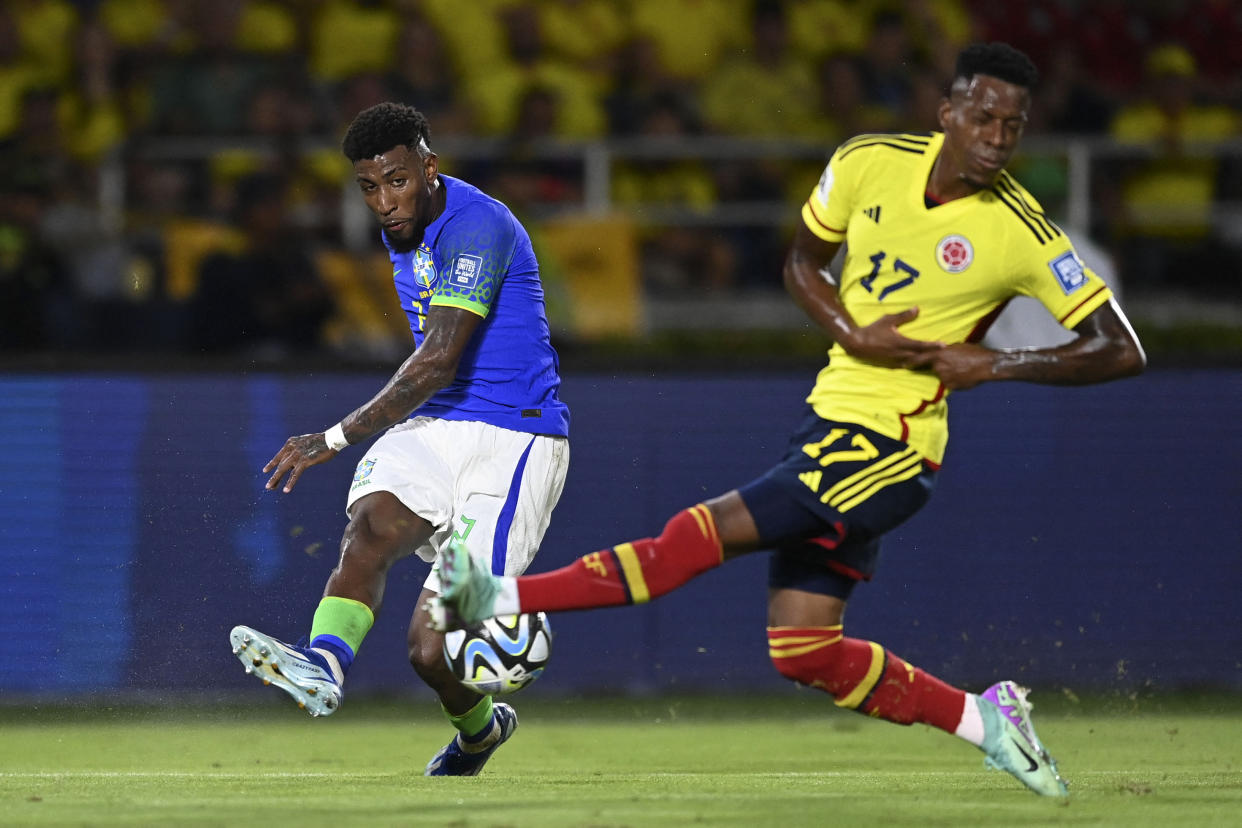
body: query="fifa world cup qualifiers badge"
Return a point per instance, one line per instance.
(1069, 271)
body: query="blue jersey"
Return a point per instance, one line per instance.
(478, 257)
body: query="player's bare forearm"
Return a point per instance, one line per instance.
(427, 370)
(805, 265)
(1105, 349)
(415, 381)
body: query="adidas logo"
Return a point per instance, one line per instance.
(873, 213)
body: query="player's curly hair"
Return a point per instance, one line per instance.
(1000, 60)
(379, 128)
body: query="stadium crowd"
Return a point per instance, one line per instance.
(214, 125)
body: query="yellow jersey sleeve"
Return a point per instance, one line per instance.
(1047, 266)
(827, 210)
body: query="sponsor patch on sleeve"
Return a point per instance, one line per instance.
(466, 271)
(1069, 271)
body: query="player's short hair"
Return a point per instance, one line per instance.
(999, 60)
(379, 128)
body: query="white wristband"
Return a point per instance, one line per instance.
(335, 437)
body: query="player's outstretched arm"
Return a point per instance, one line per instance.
(1105, 349)
(880, 342)
(426, 371)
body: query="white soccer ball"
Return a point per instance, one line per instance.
(500, 655)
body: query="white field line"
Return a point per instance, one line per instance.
(228, 775)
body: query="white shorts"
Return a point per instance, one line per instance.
(492, 488)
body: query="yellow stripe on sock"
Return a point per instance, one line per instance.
(711, 524)
(874, 672)
(707, 525)
(633, 572)
(793, 651)
(699, 519)
(798, 640)
(795, 640)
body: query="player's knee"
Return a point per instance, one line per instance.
(380, 532)
(427, 656)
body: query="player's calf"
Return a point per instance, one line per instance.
(863, 676)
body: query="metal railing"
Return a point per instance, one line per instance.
(598, 161)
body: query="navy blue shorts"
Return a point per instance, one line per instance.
(824, 507)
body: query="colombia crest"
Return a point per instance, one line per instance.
(955, 253)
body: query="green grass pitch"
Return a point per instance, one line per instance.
(784, 760)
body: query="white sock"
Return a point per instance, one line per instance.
(507, 602)
(970, 727)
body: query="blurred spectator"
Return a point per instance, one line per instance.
(693, 36)
(1212, 30)
(423, 76)
(266, 300)
(1167, 202)
(34, 294)
(822, 28)
(267, 27)
(353, 37)
(119, 300)
(530, 182)
(938, 30)
(1069, 98)
(587, 33)
(765, 90)
(207, 90)
(888, 66)
(472, 33)
(525, 63)
(641, 79)
(46, 29)
(676, 257)
(141, 25)
(37, 139)
(1111, 39)
(16, 74)
(90, 110)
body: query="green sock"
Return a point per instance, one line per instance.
(473, 721)
(339, 625)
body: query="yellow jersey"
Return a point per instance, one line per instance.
(959, 262)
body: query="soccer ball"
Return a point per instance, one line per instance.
(500, 655)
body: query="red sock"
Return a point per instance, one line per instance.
(863, 676)
(629, 573)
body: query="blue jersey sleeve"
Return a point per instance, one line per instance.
(476, 249)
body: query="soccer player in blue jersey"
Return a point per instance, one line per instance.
(475, 443)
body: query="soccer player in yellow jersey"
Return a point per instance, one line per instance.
(939, 237)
